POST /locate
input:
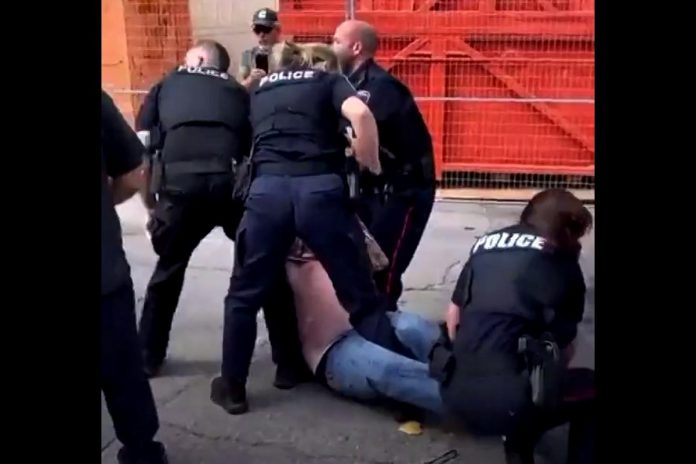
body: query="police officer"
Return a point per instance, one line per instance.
(126, 390)
(201, 120)
(266, 27)
(513, 320)
(298, 191)
(395, 207)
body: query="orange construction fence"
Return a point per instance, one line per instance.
(506, 86)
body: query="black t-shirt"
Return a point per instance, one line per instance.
(122, 152)
(515, 283)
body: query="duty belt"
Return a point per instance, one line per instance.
(197, 167)
(296, 168)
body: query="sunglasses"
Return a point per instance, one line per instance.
(262, 29)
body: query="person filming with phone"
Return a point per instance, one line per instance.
(254, 64)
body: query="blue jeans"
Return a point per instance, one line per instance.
(358, 368)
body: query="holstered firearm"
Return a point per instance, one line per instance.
(353, 178)
(156, 164)
(441, 357)
(545, 366)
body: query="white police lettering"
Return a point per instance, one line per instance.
(525, 240)
(203, 71)
(510, 240)
(287, 76)
(503, 240)
(538, 243)
(491, 241)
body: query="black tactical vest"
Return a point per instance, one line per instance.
(200, 95)
(514, 284)
(294, 120)
(204, 109)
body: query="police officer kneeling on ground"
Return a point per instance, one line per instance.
(199, 120)
(395, 206)
(513, 321)
(298, 190)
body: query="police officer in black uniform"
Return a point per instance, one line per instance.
(266, 27)
(397, 205)
(200, 118)
(126, 390)
(298, 191)
(513, 320)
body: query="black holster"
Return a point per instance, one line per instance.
(156, 172)
(353, 178)
(441, 358)
(545, 367)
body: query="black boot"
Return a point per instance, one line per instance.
(153, 454)
(518, 453)
(229, 396)
(152, 365)
(287, 377)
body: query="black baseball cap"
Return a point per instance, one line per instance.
(265, 17)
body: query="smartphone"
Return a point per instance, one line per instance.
(261, 61)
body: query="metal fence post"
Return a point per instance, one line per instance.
(350, 9)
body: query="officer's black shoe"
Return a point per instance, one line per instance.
(230, 397)
(153, 454)
(518, 454)
(287, 377)
(152, 366)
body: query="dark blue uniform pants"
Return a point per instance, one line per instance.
(126, 390)
(501, 404)
(397, 225)
(315, 209)
(179, 224)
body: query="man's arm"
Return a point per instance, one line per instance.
(148, 116)
(122, 151)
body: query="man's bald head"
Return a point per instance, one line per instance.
(355, 41)
(208, 53)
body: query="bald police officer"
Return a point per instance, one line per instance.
(266, 27)
(202, 118)
(397, 206)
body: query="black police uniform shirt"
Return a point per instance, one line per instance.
(515, 283)
(121, 153)
(295, 116)
(407, 148)
(202, 112)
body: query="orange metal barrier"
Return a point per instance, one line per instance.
(506, 86)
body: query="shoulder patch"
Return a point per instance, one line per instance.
(364, 95)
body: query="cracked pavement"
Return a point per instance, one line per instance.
(310, 424)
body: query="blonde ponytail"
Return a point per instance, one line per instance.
(315, 55)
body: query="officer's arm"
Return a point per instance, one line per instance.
(556, 284)
(148, 116)
(246, 132)
(386, 98)
(366, 142)
(123, 153)
(459, 300)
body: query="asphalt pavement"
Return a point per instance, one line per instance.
(310, 424)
